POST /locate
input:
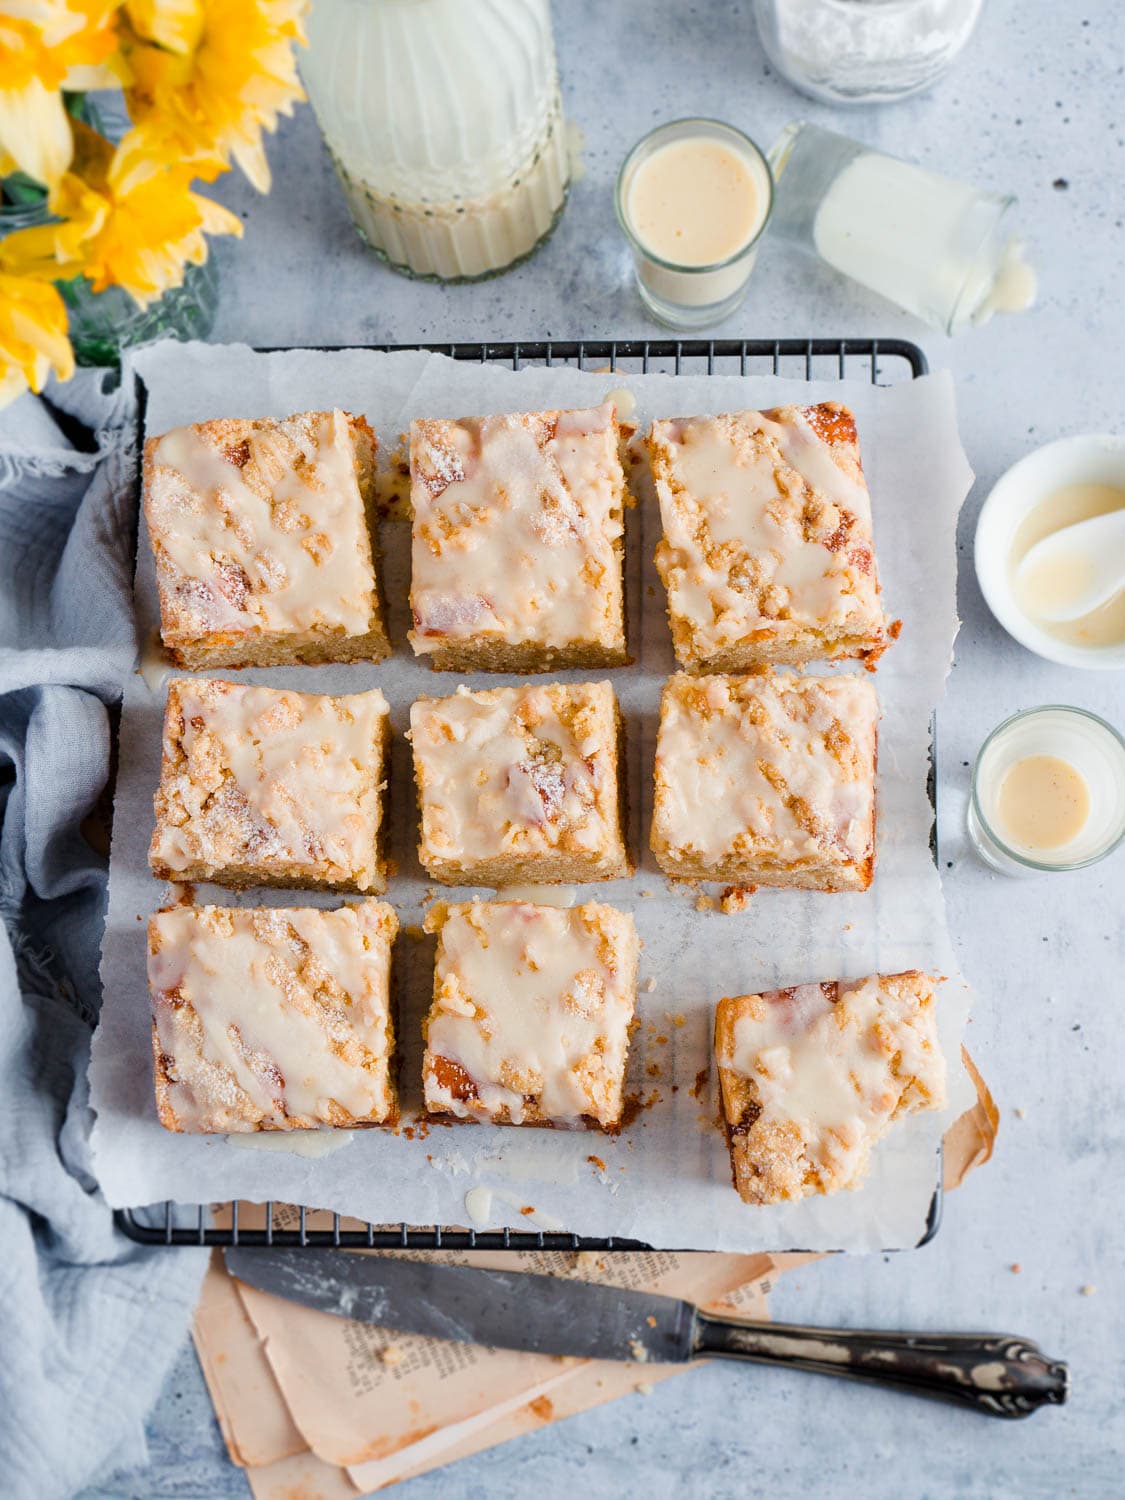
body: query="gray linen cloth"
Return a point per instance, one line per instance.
(89, 1322)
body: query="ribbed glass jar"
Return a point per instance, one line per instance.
(445, 125)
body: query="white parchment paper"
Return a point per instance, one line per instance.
(666, 1178)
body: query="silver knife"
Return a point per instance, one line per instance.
(999, 1374)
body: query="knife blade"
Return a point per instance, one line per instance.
(499, 1309)
(1000, 1375)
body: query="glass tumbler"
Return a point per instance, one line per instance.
(1091, 746)
(678, 294)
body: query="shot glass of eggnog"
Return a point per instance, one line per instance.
(693, 198)
(1047, 792)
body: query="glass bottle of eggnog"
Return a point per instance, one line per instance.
(445, 125)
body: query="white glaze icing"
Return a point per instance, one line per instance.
(531, 1002)
(260, 528)
(272, 1016)
(517, 771)
(516, 520)
(254, 775)
(836, 1063)
(782, 764)
(763, 530)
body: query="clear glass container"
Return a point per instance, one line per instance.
(102, 325)
(942, 250)
(683, 295)
(445, 125)
(864, 51)
(1088, 744)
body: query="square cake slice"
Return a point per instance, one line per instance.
(813, 1076)
(263, 543)
(767, 553)
(518, 541)
(767, 780)
(261, 786)
(520, 784)
(531, 1014)
(272, 1018)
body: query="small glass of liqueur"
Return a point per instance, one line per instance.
(1048, 792)
(693, 198)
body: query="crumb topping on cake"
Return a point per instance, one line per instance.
(815, 1073)
(268, 1018)
(260, 526)
(516, 770)
(767, 526)
(532, 1006)
(517, 524)
(257, 776)
(780, 763)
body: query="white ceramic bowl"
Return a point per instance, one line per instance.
(1096, 458)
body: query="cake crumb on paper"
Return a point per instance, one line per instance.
(648, 986)
(588, 1261)
(391, 1354)
(736, 898)
(1015, 1268)
(643, 1388)
(1088, 1290)
(703, 902)
(638, 1352)
(1020, 1114)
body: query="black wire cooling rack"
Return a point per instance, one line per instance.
(881, 362)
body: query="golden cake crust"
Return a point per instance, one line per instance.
(262, 538)
(813, 1076)
(518, 541)
(261, 786)
(531, 1014)
(520, 785)
(272, 1018)
(767, 780)
(767, 554)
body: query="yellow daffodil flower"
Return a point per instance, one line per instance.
(215, 97)
(33, 338)
(46, 45)
(202, 78)
(123, 217)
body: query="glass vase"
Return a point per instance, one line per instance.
(104, 324)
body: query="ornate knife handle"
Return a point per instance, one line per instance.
(998, 1374)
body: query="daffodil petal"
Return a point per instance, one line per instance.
(35, 130)
(251, 157)
(216, 218)
(33, 336)
(174, 24)
(13, 383)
